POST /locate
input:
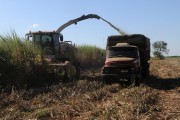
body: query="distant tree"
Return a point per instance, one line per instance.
(160, 48)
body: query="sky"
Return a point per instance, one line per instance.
(159, 20)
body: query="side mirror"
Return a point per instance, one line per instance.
(61, 37)
(29, 38)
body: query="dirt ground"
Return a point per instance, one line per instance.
(164, 79)
(168, 75)
(157, 98)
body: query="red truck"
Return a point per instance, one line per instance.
(127, 58)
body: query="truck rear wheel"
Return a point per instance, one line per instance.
(136, 80)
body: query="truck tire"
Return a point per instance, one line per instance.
(145, 71)
(136, 81)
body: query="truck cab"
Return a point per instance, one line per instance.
(122, 63)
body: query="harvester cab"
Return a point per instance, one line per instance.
(49, 41)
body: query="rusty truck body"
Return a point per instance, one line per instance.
(127, 58)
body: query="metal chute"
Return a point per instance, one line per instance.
(84, 17)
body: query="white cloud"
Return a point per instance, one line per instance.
(34, 26)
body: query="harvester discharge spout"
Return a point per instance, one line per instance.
(74, 21)
(84, 17)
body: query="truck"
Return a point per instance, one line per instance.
(127, 58)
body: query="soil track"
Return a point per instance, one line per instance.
(165, 79)
(156, 98)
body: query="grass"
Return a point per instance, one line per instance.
(21, 62)
(172, 57)
(91, 56)
(81, 99)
